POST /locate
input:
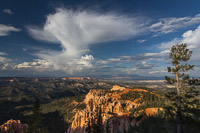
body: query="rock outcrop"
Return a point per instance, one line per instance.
(115, 111)
(117, 88)
(13, 126)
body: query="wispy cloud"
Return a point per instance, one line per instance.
(168, 25)
(141, 41)
(5, 30)
(7, 11)
(154, 72)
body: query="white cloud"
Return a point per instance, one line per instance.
(141, 41)
(3, 53)
(5, 30)
(145, 65)
(5, 62)
(169, 44)
(37, 64)
(7, 11)
(167, 25)
(77, 30)
(154, 72)
(190, 37)
(87, 57)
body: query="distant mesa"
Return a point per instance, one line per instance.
(13, 126)
(77, 78)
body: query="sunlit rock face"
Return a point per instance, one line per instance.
(13, 126)
(114, 110)
(117, 88)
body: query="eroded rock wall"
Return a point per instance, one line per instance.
(13, 126)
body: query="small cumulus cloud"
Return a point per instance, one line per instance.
(8, 11)
(5, 62)
(190, 37)
(36, 64)
(145, 65)
(141, 41)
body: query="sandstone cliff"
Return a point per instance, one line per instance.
(115, 111)
(13, 126)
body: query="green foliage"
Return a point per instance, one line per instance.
(179, 54)
(65, 106)
(151, 124)
(35, 124)
(131, 95)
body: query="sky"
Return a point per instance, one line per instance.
(60, 38)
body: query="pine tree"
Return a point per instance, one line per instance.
(36, 121)
(107, 126)
(179, 54)
(88, 129)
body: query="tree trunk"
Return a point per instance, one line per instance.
(178, 117)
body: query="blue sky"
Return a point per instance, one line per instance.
(95, 37)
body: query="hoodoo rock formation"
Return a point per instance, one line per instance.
(13, 126)
(114, 111)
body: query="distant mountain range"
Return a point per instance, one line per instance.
(129, 77)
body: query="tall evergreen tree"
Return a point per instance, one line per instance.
(107, 126)
(179, 55)
(36, 121)
(88, 129)
(55, 123)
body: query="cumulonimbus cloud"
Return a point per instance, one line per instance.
(75, 31)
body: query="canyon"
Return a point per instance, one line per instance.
(115, 111)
